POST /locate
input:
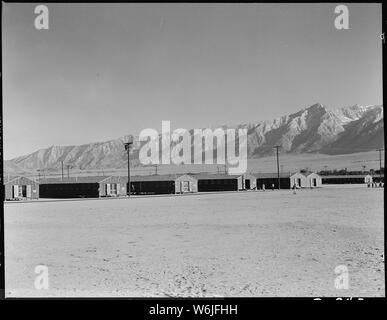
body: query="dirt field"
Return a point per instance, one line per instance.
(271, 243)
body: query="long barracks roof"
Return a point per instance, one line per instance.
(306, 173)
(12, 178)
(88, 179)
(272, 175)
(349, 176)
(156, 177)
(7, 179)
(210, 176)
(172, 177)
(99, 179)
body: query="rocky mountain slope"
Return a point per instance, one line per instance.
(315, 129)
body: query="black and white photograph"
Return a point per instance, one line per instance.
(192, 150)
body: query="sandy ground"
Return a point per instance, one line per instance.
(271, 243)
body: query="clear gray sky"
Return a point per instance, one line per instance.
(105, 70)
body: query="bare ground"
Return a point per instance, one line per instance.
(252, 244)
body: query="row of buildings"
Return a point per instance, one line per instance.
(112, 186)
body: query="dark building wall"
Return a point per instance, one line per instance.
(217, 185)
(268, 182)
(343, 180)
(152, 187)
(69, 190)
(348, 179)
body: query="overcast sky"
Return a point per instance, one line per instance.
(102, 71)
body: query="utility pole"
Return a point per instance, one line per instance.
(127, 148)
(68, 171)
(278, 172)
(62, 169)
(380, 164)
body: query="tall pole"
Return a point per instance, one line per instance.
(62, 169)
(68, 171)
(127, 147)
(278, 172)
(380, 164)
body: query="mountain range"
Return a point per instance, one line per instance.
(315, 129)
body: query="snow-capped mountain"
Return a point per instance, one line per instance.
(315, 129)
(318, 129)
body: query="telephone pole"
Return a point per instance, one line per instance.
(380, 164)
(278, 171)
(62, 169)
(68, 171)
(127, 148)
